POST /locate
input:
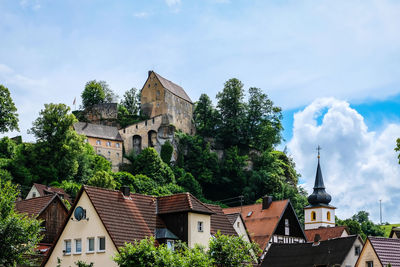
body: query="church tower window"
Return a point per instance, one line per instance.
(313, 216)
(328, 216)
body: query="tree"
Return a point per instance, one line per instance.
(109, 95)
(263, 121)
(360, 224)
(398, 148)
(8, 111)
(231, 251)
(166, 152)
(149, 163)
(103, 179)
(131, 101)
(19, 234)
(190, 184)
(93, 94)
(231, 109)
(205, 116)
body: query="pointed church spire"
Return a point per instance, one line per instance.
(319, 196)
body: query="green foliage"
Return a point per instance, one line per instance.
(232, 251)
(360, 224)
(190, 184)
(232, 111)
(19, 233)
(387, 228)
(166, 152)
(70, 187)
(398, 148)
(7, 148)
(83, 264)
(149, 163)
(103, 179)
(224, 251)
(93, 94)
(205, 117)
(131, 101)
(8, 111)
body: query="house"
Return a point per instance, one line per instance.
(270, 222)
(326, 233)
(395, 232)
(238, 224)
(380, 252)
(105, 140)
(51, 210)
(40, 190)
(168, 108)
(102, 220)
(329, 253)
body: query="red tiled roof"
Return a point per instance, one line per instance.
(220, 222)
(232, 217)
(33, 206)
(46, 190)
(325, 232)
(184, 202)
(173, 88)
(387, 250)
(260, 223)
(126, 220)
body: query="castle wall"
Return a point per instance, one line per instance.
(152, 97)
(180, 111)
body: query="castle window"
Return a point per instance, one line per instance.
(313, 216)
(108, 143)
(98, 142)
(148, 86)
(117, 145)
(136, 126)
(117, 155)
(153, 120)
(328, 216)
(158, 94)
(109, 153)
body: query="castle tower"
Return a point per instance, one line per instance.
(319, 213)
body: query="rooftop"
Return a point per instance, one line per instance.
(325, 232)
(97, 131)
(173, 88)
(387, 250)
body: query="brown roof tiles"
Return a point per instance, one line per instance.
(184, 202)
(387, 250)
(34, 206)
(260, 223)
(220, 222)
(326, 232)
(173, 88)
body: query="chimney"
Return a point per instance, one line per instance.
(150, 71)
(126, 191)
(266, 202)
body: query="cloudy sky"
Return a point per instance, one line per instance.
(333, 66)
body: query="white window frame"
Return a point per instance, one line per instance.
(108, 143)
(200, 226)
(117, 145)
(170, 244)
(75, 246)
(98, 243)
(65, 247)
(98, 142)
(88, 243)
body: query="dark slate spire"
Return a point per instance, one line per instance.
(319, 196)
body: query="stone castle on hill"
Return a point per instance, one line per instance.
(165, 103)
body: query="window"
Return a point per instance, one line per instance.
(43, 226)
(108, 143)
(109, 153)
(98, 142)
(67, 247)
(286, 226)
(90, 245)
(78, 246)
(357, 250)
(200, 226)
(102, 244)
(170, 244)
(117, 155)
(328, 216)
(34, 194)
(369, 264)
(117, 145)
(238, 224)
(313, 216)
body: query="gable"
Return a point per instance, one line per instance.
(295, 229)
(83, 229)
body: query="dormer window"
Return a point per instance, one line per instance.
(200, 226)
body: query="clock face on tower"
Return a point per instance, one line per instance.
(79, 213)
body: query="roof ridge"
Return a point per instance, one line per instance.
(39, 197)
(281, 200)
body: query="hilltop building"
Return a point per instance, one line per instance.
(319, 213)
(41, 190)
(168, 107)
(105, 140)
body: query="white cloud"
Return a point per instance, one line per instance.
(359, 166)
(171, 3)
(33, 4)
(141, 14)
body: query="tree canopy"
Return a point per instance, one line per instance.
(360, 224)
(8, 111)
(97, 92)
(19, 233)
(398, 148)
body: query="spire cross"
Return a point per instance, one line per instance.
(319, 149)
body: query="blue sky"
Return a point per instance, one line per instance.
(298, 52)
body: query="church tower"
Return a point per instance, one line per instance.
(319, 213)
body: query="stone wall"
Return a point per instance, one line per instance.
(105, 114)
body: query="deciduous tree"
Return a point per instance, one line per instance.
(8, 111)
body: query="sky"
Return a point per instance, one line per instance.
(333, 67)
